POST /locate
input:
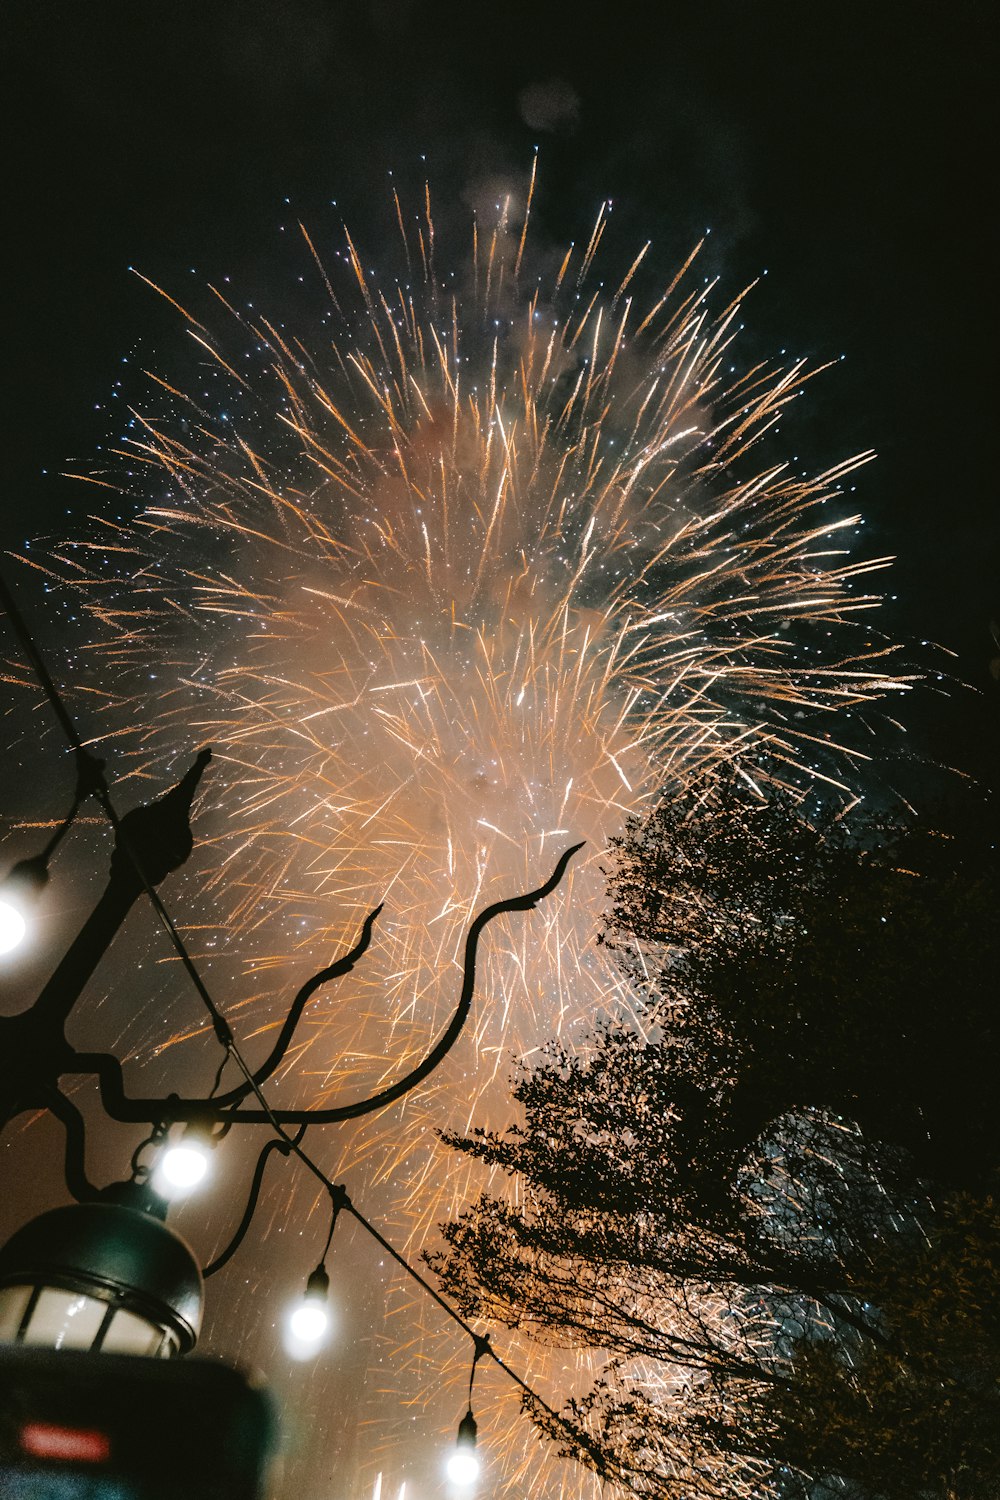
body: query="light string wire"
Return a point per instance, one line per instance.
(287, 1144)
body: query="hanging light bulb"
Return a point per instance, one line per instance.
(12, 926)
(310, 1317)
(463, 1462)
(18, 892)
(182, 1164)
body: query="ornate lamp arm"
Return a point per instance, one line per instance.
(150, 842)
(335, 971)
(74, 1163)
(275, 1144)
(120, 1107)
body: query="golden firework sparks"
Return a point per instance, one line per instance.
(448, 584)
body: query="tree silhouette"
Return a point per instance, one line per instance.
(769, 1206)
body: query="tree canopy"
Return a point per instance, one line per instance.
(770, 1206)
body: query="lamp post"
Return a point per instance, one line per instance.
(107, 1275)
(151, 842)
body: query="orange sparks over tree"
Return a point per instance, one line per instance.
(468, 571)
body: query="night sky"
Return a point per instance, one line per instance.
(843, 149)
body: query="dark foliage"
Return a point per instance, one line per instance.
(771, 1208)
(855, 970)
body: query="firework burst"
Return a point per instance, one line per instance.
(449, 582)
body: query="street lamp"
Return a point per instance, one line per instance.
(107, 1275)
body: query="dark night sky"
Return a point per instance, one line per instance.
(843, 148)
(846, 149)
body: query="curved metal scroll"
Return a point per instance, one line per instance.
(275, 1144)
(334, 971)
(121, 1107)
(74, 1167)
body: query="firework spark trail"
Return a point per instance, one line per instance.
(447, 588)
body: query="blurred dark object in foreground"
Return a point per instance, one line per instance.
(82, 1426)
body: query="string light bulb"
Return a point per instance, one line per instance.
(21, 887)
(18, 892)
(463, 1461)
(12, 926)
(309, 1319)
(183, 1164)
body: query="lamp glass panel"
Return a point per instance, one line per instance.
(129, 1334)
(13, 1301)
(65, 1320)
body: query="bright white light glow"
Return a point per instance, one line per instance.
(12, 927)
(181, 1167)
(463, 1466)
(309, 1321)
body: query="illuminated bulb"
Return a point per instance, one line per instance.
(463, 1467)
(183, 1165)
(20, 889)
(463, 1464)
(310, 1317)
(12, 927)
(308, 1321)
